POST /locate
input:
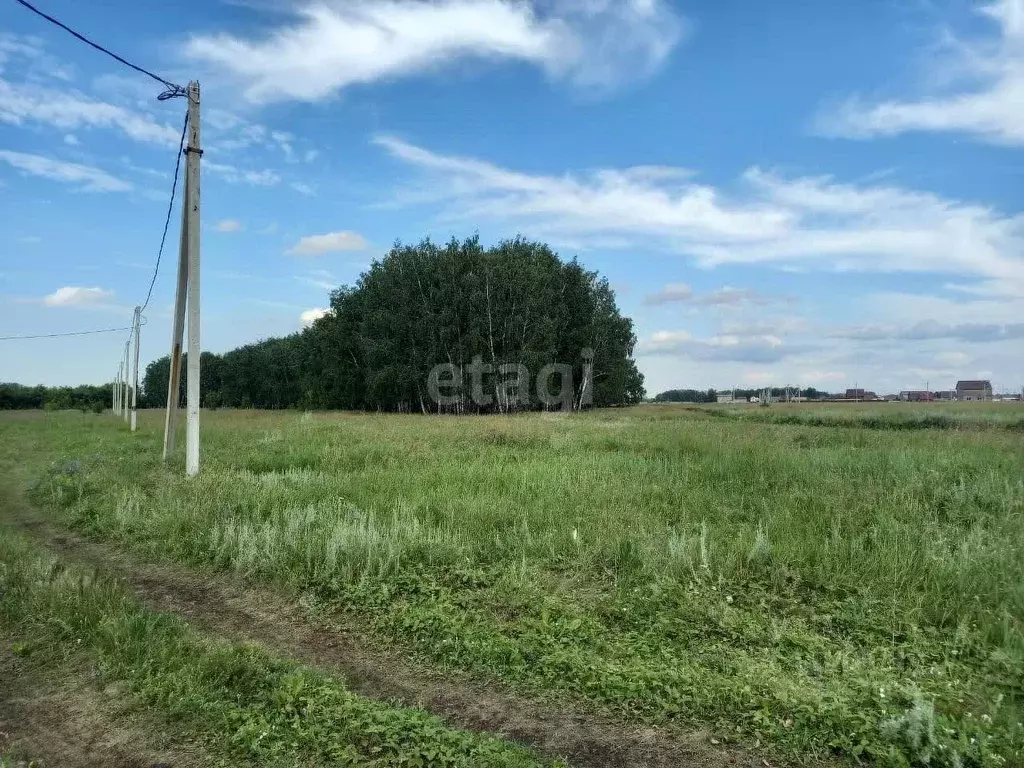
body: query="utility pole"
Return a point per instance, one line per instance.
(173, 380)
(195, 152)
(117, 389)
(187, 292)
(135, 369)
(127, 379)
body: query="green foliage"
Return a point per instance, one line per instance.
(800, 585)
(83, 398)
(243, 702)
(424, 305)
(687, 396)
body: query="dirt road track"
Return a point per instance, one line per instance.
(224, 606)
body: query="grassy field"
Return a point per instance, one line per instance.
(810, 582)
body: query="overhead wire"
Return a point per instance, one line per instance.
(173, 89)
(170, 208)
(55, 335)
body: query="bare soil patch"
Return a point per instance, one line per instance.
(64, 718)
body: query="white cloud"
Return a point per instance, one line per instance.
(90, 179)
(71, 140)
(317, 245)
(228, 225)
(310, 316)
(71, 296)
(952, 358)
(29, 52)
(728, 295)
(910, 341)
(321, 278)
(230, 132)
(233, 175)
(670, 293)
(927, 330)
(813, 377)
(765, 348)
(327, 46)
(636, 201)
(989, 107)
(69, 111)
(303, 189)
(809, 222)
(311, 155)
(725, 296)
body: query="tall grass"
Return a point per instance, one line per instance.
(802, 583)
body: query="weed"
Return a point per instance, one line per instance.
(689, 567)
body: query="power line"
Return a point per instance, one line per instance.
(173, 89)
(170, 208)
(55, 335)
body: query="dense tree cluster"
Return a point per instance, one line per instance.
(687, 396)
(86, 397)
(489, 330)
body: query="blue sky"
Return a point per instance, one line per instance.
(814, 194)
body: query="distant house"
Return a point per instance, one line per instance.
(726, 399)
(917, 396)
(974, 390)
(859, 394)
(946, 394)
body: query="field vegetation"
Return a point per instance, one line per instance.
(243, 703)
(812, 583)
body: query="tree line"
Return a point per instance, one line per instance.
(439, 328)
(86, 397)
(711, 395)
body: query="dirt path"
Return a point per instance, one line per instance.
(61, 718)
(223, 606)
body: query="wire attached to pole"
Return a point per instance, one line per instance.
(170, 208)
(173, 89)
(56, 335)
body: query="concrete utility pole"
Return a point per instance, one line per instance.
(174, 379)
(127, 378)
(192, 198)
(187, 291)
(135, 369)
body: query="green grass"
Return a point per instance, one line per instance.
(245, 704)
(817, 590)
(886, 416)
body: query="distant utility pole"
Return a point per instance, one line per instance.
(127, 379)
(187, 292)
(135, 369)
